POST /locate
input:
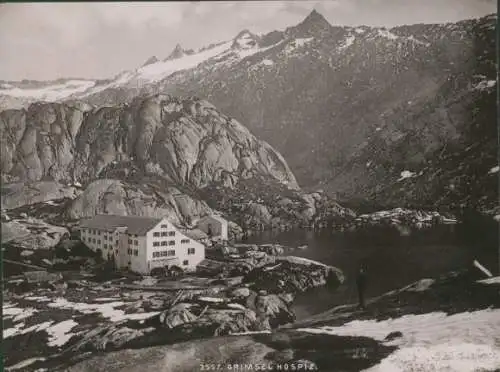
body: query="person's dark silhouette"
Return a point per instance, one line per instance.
(361, 285)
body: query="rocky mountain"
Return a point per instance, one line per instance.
(397, 117)
(178, 52)
(151, 60)
(158, 155)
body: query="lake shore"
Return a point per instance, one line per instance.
(446, 321)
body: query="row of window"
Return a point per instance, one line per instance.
(133, 242)
(91, 240)
(98, 232)
(110, 238)
(169, 253)
(155, 244)
(163, 243)
(164, 233)
(134, 252)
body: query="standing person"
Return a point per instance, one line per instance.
(361, 285)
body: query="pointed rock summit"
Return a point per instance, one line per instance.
(150, 61)
(245, 40)
(178, 52)
(312, 25)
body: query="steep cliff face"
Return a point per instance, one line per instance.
(157, 156)
(352, 109)
(185, 141)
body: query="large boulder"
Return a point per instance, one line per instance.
(177, 315)
(32, 233)
(18, 194)
(289, 274)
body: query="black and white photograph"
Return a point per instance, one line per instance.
(303, 185)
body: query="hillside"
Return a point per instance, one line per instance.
(157, 155)
(394, 117)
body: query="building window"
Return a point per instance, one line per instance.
(156, 244)
(83, 239)
(93, 240)
(130, 241)
(156, 234)
(185, 262)
(184, 241)
(105, 246)
(99, 242)
(136, 252)
(164, 233)
(164, 226)
(171, 253)
(98, 233)
(135, 242)
(191, 250)
(171, 242)
(171, 233)
(164, 243)
(116, 241)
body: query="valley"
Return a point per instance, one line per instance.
(323, 147)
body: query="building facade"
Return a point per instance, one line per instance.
(214, 226)
(141, 244)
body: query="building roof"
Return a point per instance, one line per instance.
(134, 224)
(195, 234)
(214, 217)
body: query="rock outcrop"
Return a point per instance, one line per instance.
(159, 155)
(184, 140)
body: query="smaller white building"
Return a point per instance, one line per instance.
(141, 244)
(214, 226)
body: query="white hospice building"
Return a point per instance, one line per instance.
(141, 244)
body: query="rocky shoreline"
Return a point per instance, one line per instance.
(96, 311)
(344, 338)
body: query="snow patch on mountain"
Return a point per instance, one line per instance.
(295, 44)
(433, 341)
(160, 70)
(347, 42)
(300, 42)
(406, 174)
(485, 84)
(392, 36)
(49, 93)
(494, 170)
(387, 34)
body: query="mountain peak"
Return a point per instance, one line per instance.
(150, 61)
(179, 52)
(315, 18)
(245, 40)
(314, 23)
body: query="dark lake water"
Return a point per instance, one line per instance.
(393, 261)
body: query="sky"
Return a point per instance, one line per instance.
(45, 41)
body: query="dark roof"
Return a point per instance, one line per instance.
(134, 224)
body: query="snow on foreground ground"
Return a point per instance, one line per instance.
(468, 341)
(44, 321)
